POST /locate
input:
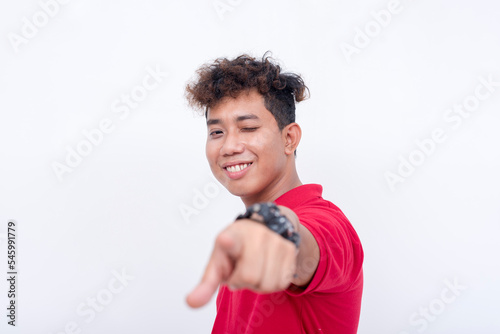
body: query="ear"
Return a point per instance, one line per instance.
(291, 137)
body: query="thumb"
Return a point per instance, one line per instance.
(218, 269)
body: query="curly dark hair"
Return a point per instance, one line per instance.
(225, 77)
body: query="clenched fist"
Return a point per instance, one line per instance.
(247, 255)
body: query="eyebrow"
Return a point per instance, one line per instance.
(241, 118)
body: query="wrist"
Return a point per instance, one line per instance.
(271, 216)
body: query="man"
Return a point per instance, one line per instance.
(291, 268)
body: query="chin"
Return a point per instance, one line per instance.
(236, 190)
(243, 189)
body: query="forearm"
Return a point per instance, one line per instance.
(308, 252)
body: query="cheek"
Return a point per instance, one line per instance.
(211, 153)
(266, 141)
(270, 149)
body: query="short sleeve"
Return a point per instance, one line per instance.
(340, 250)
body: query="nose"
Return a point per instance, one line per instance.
(232, 145)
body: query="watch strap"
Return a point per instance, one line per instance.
(273, 219)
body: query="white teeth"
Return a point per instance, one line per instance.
(237, 168)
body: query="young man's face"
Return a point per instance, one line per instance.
(245, 148)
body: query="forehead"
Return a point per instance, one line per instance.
(247, 105)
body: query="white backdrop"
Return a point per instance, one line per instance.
(100, 155)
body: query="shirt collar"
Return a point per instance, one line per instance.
(299, 195)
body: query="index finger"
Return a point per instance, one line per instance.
(217, 271)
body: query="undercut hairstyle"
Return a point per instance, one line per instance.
(230, 77)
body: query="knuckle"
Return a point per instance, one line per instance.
(222, 237)
(246, 277)
(290, 247)
(268, 287)
(287, 277)
(251, 279)
(219, 239)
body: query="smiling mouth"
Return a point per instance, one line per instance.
(237, 168)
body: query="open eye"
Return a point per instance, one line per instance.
(215, 133)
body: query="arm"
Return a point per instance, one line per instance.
(308, 254)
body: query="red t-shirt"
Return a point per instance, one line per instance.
(331, 302)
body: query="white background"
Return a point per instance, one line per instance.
(119, 208)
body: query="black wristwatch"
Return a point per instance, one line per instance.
(272, 218)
